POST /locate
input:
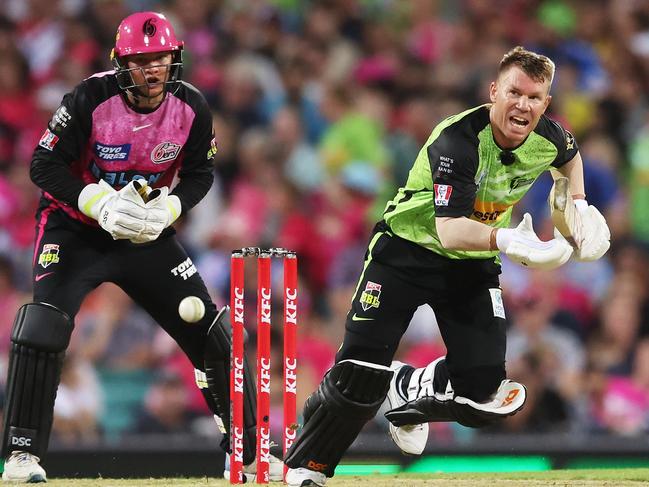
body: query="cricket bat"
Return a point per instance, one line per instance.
(144, 191)
(563, 212)
(141, 189)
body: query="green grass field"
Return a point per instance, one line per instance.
(563, 478)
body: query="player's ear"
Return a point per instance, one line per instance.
(493, 88)
(548, 99)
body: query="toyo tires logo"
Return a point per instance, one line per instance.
(166, 151)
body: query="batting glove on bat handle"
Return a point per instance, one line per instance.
(596, 236)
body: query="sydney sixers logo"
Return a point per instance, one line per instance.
(149, 27)
(166, 151)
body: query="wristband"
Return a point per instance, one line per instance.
(493, 245)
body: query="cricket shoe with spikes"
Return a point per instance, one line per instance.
(275, 470)
(23, 467)
(303, 477)
(411, 438)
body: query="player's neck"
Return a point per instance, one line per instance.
(145, 103)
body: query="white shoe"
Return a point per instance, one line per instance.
(23, 467)
(412, 438)
(303, 477)
(275, 469)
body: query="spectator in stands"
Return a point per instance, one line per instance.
(78, 404)
(165, 407)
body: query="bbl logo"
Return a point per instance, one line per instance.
(49, 255)
(370, 297)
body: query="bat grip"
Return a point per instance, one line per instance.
(141, 190)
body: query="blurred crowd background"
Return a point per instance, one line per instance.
(319, 110)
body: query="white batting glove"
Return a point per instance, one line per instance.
(523, 246)
(120, 213)
(596, 236)
(162, 210)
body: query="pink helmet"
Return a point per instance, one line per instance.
(145, 32)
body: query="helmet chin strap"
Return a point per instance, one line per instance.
(139, 96)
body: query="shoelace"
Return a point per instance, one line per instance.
(26, 458)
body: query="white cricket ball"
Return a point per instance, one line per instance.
(191, 309)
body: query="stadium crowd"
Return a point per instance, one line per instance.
(319, 109)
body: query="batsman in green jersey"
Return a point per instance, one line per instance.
(439, 244)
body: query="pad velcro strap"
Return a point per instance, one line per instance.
(431, 380)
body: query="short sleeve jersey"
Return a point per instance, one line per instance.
(95, 134)
(459, 173)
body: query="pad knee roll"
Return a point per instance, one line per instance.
(39, 338)
(349, 396)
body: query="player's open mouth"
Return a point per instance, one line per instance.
(519, 122)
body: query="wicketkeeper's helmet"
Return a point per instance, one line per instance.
(140, 33)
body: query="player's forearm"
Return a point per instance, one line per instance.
(56, 179)
(574, 171)
(464, 234)
(192, 188)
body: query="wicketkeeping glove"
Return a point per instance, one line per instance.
(523, 246)
(120, 213)
(162, 210)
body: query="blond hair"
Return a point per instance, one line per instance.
(536, 66)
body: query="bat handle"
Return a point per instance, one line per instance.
(141, 187)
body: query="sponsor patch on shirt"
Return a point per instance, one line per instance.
(166, 151)
(497, 302)
(442, 194)
(112, 152)
(60, 119)
(48, 140)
